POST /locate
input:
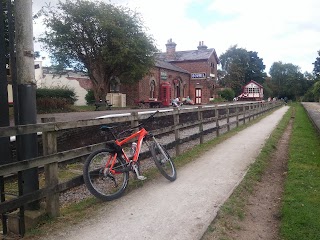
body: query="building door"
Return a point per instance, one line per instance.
(198, 96)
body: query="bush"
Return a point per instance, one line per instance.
(227, 94)
(308, 96)
(55, 99)
(89, 97)
(62, 93)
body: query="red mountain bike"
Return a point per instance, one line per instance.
(106, 171)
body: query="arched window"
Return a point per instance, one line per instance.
(178, 87)
(152, 89)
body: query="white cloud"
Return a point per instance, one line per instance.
(285, 30)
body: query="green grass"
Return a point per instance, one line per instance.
(85, 108)
(301, 202)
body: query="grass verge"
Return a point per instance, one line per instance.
(301, 201)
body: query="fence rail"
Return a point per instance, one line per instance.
(207, 119)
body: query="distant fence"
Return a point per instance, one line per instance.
(218, 117)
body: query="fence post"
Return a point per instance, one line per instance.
(217, 121)
(237, 116)
(200, 118)
(49, 141)
(228, 116)
(176, 130)
(244, 113)
(135, 120)
(254, 110)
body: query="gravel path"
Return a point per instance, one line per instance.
(182, 209)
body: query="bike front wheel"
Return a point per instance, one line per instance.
(163, 161)
(100, 181)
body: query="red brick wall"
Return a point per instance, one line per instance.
(131, 91)
(141, 90)
(205, 84)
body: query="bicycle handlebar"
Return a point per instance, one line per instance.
(149, 118)
(140, 124)
(144, 121)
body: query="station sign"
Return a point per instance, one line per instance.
(163, 75)
(198, 75)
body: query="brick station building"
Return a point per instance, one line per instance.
(190, 73)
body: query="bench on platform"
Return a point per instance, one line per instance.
(102, 104)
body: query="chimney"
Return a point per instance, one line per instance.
(171, 50)
(202, 46)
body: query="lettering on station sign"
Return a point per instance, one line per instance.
(198, 75)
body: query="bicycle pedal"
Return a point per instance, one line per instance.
(141, 178)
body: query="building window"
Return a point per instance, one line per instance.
(212, 67)
(252, 90)
(152, 89)
(178, 87)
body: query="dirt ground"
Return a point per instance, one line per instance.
(262, 211)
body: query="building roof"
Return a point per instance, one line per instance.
(169, 66)
(191, 55)
(254, 82)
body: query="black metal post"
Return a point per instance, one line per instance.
(4, 105)
(27, 144)
(4, 111)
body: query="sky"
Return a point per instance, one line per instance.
(279, 30)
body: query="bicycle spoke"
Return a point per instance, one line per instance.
(100, 181)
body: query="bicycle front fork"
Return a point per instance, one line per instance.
(160, 149)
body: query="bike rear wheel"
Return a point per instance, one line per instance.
(163, 161)
(99, 181)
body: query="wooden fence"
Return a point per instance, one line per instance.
(221, 116)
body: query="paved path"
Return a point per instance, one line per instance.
(182, 209)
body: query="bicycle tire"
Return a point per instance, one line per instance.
(104, 187)
(166, 168)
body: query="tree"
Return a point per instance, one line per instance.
(268, 87)
(106, 41)
(316, 91)
(288, 81)
(240, 67)
(316, 68)
(227, 94)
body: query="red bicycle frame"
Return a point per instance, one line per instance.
(140, 135)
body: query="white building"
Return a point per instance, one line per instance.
(253, 91)
(77, 82)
